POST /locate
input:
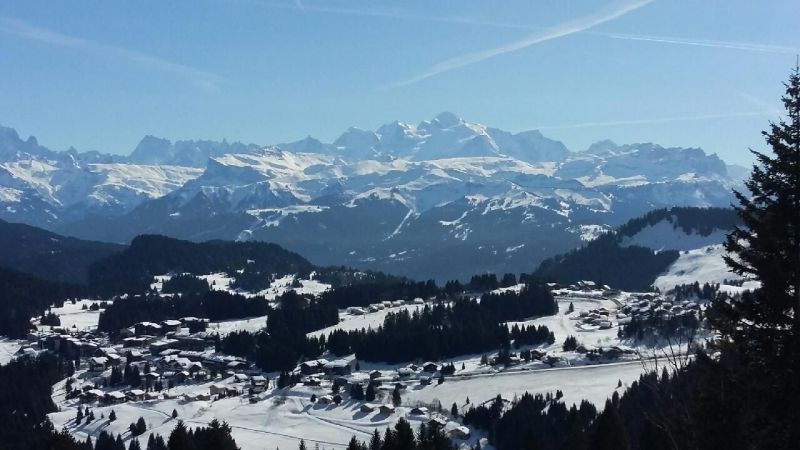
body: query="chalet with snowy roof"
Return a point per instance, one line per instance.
(460, 432)
(165, 344)
(135, 395)
(94, 394)
(367, 408)
(172, 326)
(311, 367)
(98, 363)
(217, 389)
(114, 397)
(138, 341)
(437, 423)
(430, 367)
(258, 384)
(338, 367)
(311, 381)
(148, 328)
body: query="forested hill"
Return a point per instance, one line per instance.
(702, 221)
(132, 270)
(624, 258)
(23, 296)
(48, 255)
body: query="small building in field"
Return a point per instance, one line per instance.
(430, 367)
(387, 409)
(135, 395)
(98, 363)
(258, 384)
(461, 432)
(419, 411)
(170, 325)
(437, 423)
(368, 408)
(338, 367)
(217, 389)
(311, 367)
(114, 397)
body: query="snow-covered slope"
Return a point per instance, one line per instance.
(703, 265)
(665, 235)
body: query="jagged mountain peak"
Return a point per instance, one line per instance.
(447, 119)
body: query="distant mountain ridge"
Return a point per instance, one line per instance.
(404, 198)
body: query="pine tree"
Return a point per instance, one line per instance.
(354, 444)
(454, 410)
(134, 445)
(179, 438)
(375, 441)
(174, 413)
(112, 416)
(396, 400)
(760, 331)
(141, 426)
(767, 247)
(79, 415)
(404, 435)
(609, 431)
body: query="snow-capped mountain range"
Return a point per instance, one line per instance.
(445, 197)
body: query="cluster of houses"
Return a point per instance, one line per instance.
(165, 355)
(599, 317)
(375, 307)
(645, 305)
(160, 373)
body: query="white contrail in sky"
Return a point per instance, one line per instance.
(401, 15)
(17, 27)
(658, 120)
(764, 48)
(616, 10)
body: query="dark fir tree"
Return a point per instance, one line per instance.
(760, 332)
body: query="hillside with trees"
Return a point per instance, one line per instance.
(132, 270)
(24, 296)
(48, 255)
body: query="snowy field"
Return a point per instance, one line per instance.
(563, 324)
(251, 324)
(74, 317)
(221, 281)
(8, 347)
(664, 236)
(350, 322)
(594, 383)
(704, 265)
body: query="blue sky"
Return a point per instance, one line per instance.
(98, 75)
